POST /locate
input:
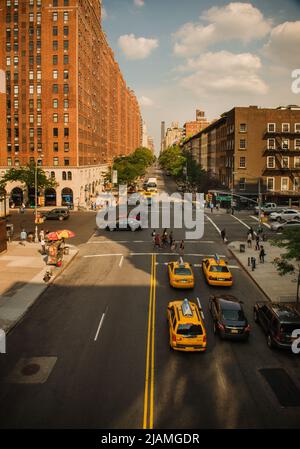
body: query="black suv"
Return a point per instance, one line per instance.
(229, 317)
(278, 320)
(57, 214)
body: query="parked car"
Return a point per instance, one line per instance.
(267, 208)
(279, 226)
(61, 213)
(286, 214)
(228, 316)
(125, 224)
(278, 321)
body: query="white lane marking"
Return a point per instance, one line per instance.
(100, 325)
(265, 224)
(241, 221)
(233, 267)
(197, 265)
(144, 241)
(121, 261)
(214, 224)
(102, 255)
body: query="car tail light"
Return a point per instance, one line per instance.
(211, 278)
(204, 339)
(174, 338)
(221, 326)
(279, 336)
(248, 328)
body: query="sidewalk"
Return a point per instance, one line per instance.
(22, 270)
(276, 288)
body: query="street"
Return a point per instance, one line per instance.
(103, 324)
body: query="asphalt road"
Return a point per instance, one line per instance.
(104, 320)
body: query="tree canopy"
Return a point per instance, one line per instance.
(290, 241)
(131, 167)
(26, 176)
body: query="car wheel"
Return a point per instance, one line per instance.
(270, 342)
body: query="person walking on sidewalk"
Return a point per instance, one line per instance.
(153, 234)
(43, 245)
(223, 235)
(42, 235)
(251, 230)
(257, 241)
(262, 255)
(181, 248)
(249, 239)
(157, 241)
(171, 238)
(164, 237)
(211, 207)
(23, 237)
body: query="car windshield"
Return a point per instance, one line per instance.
(233, 315)
(189, 329)
(219, 269)
(182, 271)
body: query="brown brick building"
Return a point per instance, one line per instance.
(248, 145)
(66, 105)
(194, 127)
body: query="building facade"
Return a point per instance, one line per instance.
(194, 127)
(173, 136)
(65, 103)
(251, 145)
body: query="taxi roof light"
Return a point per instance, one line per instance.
(186, 308)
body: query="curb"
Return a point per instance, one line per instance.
(18, 320)
(249, 274)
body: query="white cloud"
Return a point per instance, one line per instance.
(240, 21)
(224, 72)
(145, 101)
(104, 13)
(284, 44)
(139, 3)
(137, 47)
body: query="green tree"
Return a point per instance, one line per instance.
(289, 262)
(26, 176)
(173, 160)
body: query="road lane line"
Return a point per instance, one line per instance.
(100, 325)
(153, 347)
(121, 261)
(150, 254)
(147, 374)
(102, 255)
(214, 224)
(241, 221)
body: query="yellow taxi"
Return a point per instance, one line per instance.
(181, 274)
(216, 271)
(186, 326)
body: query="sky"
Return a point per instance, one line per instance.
(179, 56)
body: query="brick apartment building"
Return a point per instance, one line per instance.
(194, 127)
(248, 145)
(66, 105)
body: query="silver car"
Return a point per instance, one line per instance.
(280, 226)
(285, 215)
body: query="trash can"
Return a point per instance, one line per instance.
(242, 247)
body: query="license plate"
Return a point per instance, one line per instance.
(234, 331)
(183, 280)
(222, 279)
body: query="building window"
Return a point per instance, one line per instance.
(66, 31)
(66, 103)
(31, 89)
(296, 184)
(270, 184)
(285, 127)
(39, 75)
(243, 127)
(69, 176)
(31, 74)
(8, 60)
(66, 59)
(284, 184)
(55, 74)
(31, 119)
(66, 146)
(66, 118)
(242, 162)
(243, 144)
(297, 127)
(297, 162)
(66, 132)
(242, 184)
(270, 162)
(39, 104)
(285, 144)
(55, 132)
(271, 127)
(297, 144)
(9, 161)
(55, 146)
(66, 74)
(39, 119)
(55, 88)
(31, 133)
(52, 174)
(285, 162)
(66, 16)
(55, 31)
(55, 45)
(55, 16)
(39, 89)
(54, 59)
(55, 161)
(66, 45)
(66, 88)
(38, 59)
(55, 118)
(271, 144)
(55, 103)
(64, 176)
(66, 161)
(66, 2)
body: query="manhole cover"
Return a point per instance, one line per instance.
(30, 370)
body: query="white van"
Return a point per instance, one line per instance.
(151, 185)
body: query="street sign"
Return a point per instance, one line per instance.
(223, 198)
(115, 177)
